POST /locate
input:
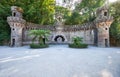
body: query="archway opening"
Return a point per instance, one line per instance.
(106, 42)
(105, 13)
(59, 39)
(14, 14)
(13, 42)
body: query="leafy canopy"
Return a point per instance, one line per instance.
(115, 27)
(84, 12)
(36, 11)
(40, 34)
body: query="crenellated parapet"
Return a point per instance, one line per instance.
(33, 26)
(85, 26)
(16, 22)
(16, 19)
(66, 28)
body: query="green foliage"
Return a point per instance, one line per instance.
(40, 34)
(77, 43)
(65, 12)
(77, 40)
(39, 11)
(38, 46)
(74, 19)
(4, 27)
(87, 9)
(84, 12)
(115, 27)
(36, 11)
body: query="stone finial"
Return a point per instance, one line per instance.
(59, 19)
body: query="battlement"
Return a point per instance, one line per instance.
(103, 19)
(16, 19)
(85, 26)
(33, 26)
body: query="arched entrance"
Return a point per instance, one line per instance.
(13, 42)
(106, 43)
(59, 39)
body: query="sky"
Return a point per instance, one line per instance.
(67, 4)
(112, 1)
(71, 4)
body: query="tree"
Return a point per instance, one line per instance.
(4, 27)
(64, 11)
(87, 8)
(36, 11)
(115, 27)
(77, 40)
(33, 32)
(78, 43)
(84, 12)
(74, 19)
(39, 11)
(40, 34)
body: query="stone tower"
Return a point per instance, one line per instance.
(103, 22)
(16, 24)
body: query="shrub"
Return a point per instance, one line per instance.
(38, 45)
(77, 43)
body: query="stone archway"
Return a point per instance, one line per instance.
(59, 39)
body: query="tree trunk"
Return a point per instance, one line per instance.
(41, 40)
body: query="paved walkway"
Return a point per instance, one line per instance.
(59, 61)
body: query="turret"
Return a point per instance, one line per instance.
(103, 22)
(16, 24)
(16, 11)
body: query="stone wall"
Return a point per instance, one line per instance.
(67, 32)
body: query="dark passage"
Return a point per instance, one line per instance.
(59, 38)
(13, 42)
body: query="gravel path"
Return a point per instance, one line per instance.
(59, 61)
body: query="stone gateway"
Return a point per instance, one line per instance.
(94, 33)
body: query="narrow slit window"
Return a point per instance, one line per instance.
(14, 14)
(106, 29)
(105, 13)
